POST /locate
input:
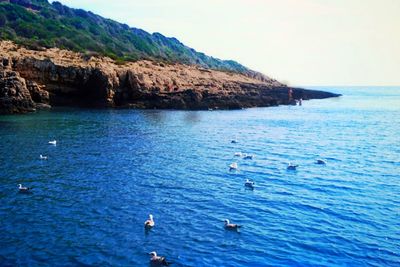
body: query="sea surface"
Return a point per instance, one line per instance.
(111, 168)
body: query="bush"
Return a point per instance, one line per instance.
(3, 20)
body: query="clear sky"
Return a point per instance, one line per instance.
(300, 42)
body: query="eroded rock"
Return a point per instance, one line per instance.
(39, 78)
(14, 94)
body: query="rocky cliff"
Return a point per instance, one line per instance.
(31, 79)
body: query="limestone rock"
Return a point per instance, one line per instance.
(14, 95)
(59, 77)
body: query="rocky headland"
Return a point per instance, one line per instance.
(41, 78)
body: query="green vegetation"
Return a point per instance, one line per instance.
(37, 23)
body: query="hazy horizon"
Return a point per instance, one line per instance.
(301, 43)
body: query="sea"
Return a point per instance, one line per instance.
(111, 168)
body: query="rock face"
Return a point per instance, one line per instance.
(14, 94)
(35, 79)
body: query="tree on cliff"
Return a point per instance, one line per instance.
(3, 20)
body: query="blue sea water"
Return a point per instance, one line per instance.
(111, 168)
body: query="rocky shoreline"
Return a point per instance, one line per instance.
(34, 79)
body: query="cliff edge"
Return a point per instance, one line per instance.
(31, 79)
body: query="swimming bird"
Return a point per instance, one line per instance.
(53, 142)
(245, 156)
(233, 166)
(234, 141)
(249, 183)
(157, 260)
(231, 226)
(238, 154)
(23, 189)
(292, 167)
(149, 223)
(43, 157)
(321, 161)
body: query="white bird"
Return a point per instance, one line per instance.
(292, 167)
(23, 189)
(233, 166)
(238, 154)
(53, 142)
(149, 223)
(234, 141)
(43, 157)
(157, 260)
(321, 161)
(249, 183)
(231, 226)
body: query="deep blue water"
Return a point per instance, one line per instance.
(111, 168)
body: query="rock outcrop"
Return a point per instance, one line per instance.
(14, 94)
(32, 79)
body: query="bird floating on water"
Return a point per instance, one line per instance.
(53, 142)
(157, 260)
(321, 161)
(149, 223)
(23, 189)
(292, 167)
(238, 154)
(234, 141)
(245, 156)
(231, 226)
(43, 157)
(249, 183)
(233, 166)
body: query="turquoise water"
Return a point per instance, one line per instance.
(111, 168)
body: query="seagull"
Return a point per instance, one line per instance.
(245, 156)
(249, 183)
(23, 189)
(43, 157)
(292, 167)
(149, 223)
(231, 226)
(238, 154)
(321, 161)
(233, 166)
(157, 260)
(53, 142)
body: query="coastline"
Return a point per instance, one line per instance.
(36, 79)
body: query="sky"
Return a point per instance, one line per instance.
(298, 42)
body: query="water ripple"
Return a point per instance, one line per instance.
(110, 169)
